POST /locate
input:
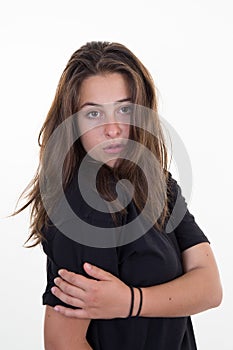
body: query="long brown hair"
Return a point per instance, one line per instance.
(92, 59)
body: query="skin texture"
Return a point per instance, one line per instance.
(197, 290)
(61, 333)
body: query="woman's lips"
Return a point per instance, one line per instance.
(114, 148)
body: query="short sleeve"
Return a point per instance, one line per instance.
(181, 221)
(63, 252)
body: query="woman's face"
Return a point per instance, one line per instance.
(104, 116)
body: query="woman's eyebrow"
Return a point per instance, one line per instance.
(99, 105)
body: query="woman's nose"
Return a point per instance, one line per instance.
(112, 127)
(113, 130)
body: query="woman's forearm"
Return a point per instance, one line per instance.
(187, 295)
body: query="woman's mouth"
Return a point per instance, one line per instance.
(114, 148)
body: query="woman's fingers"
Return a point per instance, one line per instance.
(69, 289)
(78, 313)
(68, 299)
(75, 279)
(97, 273)
(83, 282)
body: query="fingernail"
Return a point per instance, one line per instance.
(56, 308)
(53, 289)
(88, 266)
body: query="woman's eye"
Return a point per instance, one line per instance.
(126, 110)
(93, 114)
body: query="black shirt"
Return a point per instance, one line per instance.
(152, 259)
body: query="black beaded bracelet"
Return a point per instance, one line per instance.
(132, 302)
(140, 303)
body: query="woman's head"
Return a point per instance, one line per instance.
(98, 58)
(111, 74)
(92, 61)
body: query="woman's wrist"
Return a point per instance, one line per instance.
(138, 301)
(135, 302)
(131, 308)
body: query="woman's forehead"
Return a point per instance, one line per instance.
(102, 89)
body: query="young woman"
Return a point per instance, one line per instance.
(146, 282)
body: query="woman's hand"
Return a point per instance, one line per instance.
(104, 297)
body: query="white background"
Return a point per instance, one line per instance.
(187, 46)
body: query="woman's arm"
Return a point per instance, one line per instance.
(62, 333)
(197, 290)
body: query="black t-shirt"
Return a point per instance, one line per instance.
(152, 259)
